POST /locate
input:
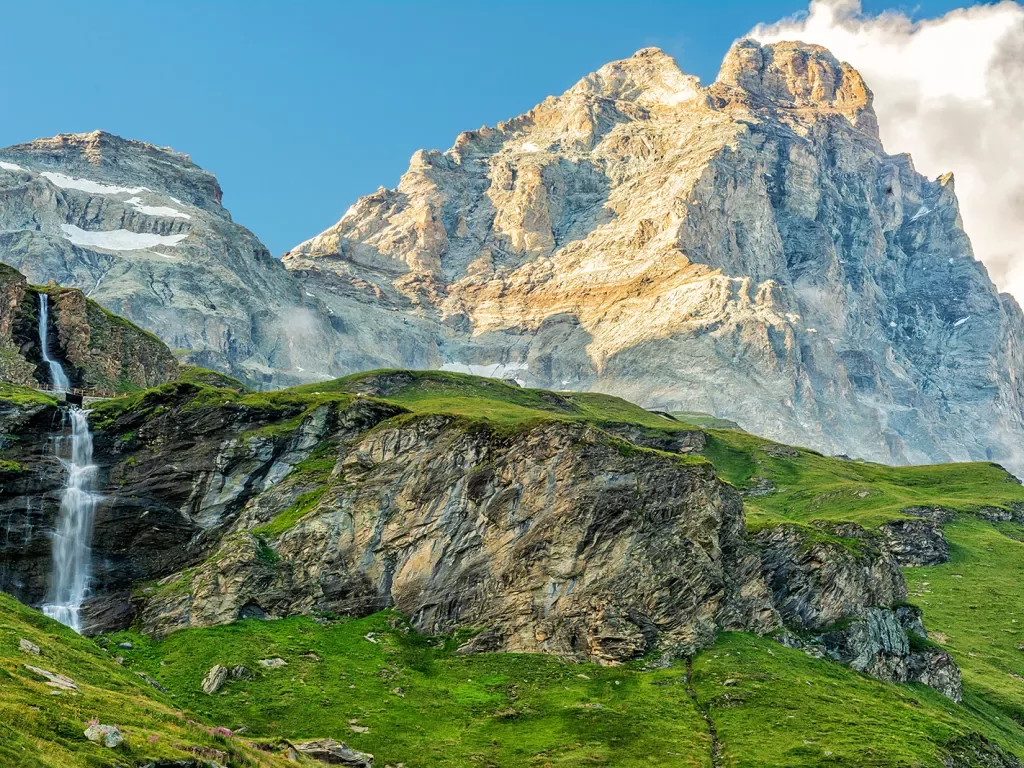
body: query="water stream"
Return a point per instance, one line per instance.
(69, 577)
(58, 378)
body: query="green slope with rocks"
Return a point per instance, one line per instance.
(44, 724)
(376, 682)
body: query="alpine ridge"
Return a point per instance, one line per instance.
(746, 248)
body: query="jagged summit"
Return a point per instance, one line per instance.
(798, 75)
(650, 78)
(114, 159)
(747, 249)
(141, 230)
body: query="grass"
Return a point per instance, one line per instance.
(426, 705)
(40, 728)
(493, 401)
(809, 486)
(805, 485)
(13, 394)
(785, 709)
(974, 607)
(303, 505)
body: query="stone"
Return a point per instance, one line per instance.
(214, 679)
(817, 583)
(152, 682)
(28, 646)
(126, 646)
(240, 672)
(915, 542)
(334, 753)
(53, 679)
(273, 663)
(848, 604)
(105, 735)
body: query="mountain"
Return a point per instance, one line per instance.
(746, 249)
(141, 230)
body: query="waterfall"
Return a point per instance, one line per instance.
(69, 580)
(58, 378)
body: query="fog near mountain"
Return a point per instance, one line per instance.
(947, 91)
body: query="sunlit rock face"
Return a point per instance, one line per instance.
(141, 230)
(746, 248)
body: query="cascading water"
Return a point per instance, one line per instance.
(69, 579)
(58, 378)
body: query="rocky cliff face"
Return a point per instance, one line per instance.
(551, 540)
(99, 350)
(551, 537)
(840, 589)
(747, 249)
(141, 230)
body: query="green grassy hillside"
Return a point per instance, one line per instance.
(43, 726)
(747, 701)
(425, 705)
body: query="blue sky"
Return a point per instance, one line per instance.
(300, 108)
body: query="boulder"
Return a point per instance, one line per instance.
(334, 753)
(214, 679)
(54, 680)
(106, 735)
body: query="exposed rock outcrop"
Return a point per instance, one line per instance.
(334, 753)
(554, 539)
(915, 542)
(975, 751)
(841, 590)
(820, 577)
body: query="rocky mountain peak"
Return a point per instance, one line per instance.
(115, 160)
(650, 77)
(798, 75)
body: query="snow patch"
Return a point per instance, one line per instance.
(87, 185)
(530, 147)
(10, 166)
(118, 239)
(961, 321)
(920, 212)
(492, 371)
(155, 210)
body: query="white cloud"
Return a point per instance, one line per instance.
(948, 91)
